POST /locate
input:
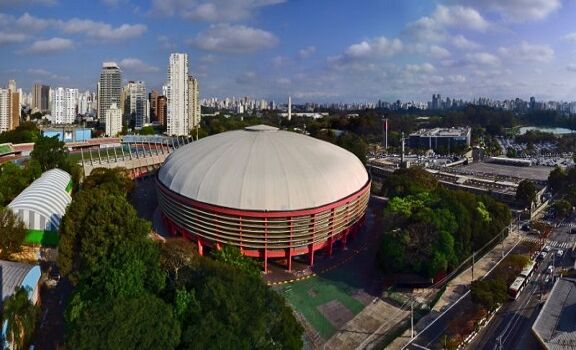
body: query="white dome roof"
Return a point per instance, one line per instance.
(263, 168)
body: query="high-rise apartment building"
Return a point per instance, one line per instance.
(5, 110)
(40, 95)
(193, 103)
(137, 103)
(161, 109)
(113, 120)
(109, 87)
(177, 95)
(64, 104)
(14, 104)
(153, 97)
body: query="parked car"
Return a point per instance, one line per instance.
(541, 256)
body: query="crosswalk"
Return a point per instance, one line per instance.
(567, 224)
(551, 243)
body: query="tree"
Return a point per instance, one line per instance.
(562, 208)
(489, 293)
(12, 233)
(228, 308)
(526, 193)
(21, 315)
(147, 130)
(142, 322)
(231, 255)
(49, 152)
(115, 180)
(176, 254)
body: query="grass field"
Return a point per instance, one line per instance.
(306, 296)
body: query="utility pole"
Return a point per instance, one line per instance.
(412, 320)
(473, 265)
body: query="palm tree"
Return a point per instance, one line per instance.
(21, 314)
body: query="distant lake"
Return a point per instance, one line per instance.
(557, 131)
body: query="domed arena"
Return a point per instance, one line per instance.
(271, 193)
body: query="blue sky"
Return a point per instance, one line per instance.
(314, 50)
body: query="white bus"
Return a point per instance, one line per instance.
(516, 287)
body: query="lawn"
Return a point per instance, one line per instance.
(305, 296)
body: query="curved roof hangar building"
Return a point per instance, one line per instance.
(272, 193)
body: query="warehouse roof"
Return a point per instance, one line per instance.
(16, 275)
(263, 168)
(555, 327)
(47, 198)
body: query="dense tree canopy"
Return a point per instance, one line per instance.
(15, 178)
(142, 322)
(24, 133)
(49, 152)
(115, 180)
(526, 193)
(222, 307)
(21, 316)
(12, 233)
(433, 229)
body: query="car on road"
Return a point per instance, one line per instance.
(559, 253)
(573, 231)
(550, 269)
(541, 256)
(546, 248)
(526, 227)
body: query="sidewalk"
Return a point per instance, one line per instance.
(459, 285)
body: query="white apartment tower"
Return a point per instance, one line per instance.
(5, 110)
(137, 103)
(177, 95)
(193, 103)
(64, 102)
(113, 120)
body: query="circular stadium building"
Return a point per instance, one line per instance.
(271, 193)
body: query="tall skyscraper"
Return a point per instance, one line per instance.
(153, 97)
(136, 103)
(109, 87)
(14, 104)
(4, 110)
(193, 103)
(64, 103)
(40, 97)
(161, 109)
(113, 120)
(177, 95)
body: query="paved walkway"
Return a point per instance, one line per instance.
(460, 285)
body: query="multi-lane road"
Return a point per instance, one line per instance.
(510, 327)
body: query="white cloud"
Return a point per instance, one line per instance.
(306, 52)
(433, 27)
(368, 50)
(482, 58)
(280, 61)
(233, 39)
(570, 37)
(247, 78)
(46, 74)
(462, 43)
(519, 10)
(10, 3)
(212, 11)
(528, 52)
(571, 67)
(49, 46)
(136, 65)
(11, 38)
(439, 52)
(101, 30)
(457, 78)
(425, 68)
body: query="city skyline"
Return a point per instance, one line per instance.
(314, 52)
